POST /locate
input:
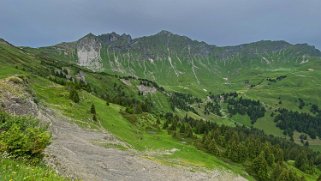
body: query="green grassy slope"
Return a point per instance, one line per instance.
(16, 170)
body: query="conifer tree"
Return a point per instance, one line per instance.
(188, 131)
(73, 95)
(182, 128)
(94, 117)
(158, 122)
(302, 162)
(259, 168)
(165, 126)
(278, 169)
(173, 126)
(212, 147)
(269, 156)
(93, 109)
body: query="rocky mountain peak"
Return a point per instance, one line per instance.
(114, 37)
(164, 32)
(88, 52)
(109, 37)
(89, 35)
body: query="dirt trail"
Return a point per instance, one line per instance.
(74, 154)
(74, 151)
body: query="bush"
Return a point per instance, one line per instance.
(15, 80)
(23, 137)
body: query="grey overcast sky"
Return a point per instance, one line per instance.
(220, 22)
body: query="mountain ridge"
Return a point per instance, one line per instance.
(164, 33)
(188, 63)
(168, 46)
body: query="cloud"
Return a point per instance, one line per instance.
(220, 22)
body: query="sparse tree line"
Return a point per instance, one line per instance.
(55, 72)
(212, 107)
(254, 109)
(132, 105)
(183, 101)
(236, 105)
(263, 156)
(149, 83)
(116, 95)
(290, 121)
(279, 78)
(63, 77)
(144, 82)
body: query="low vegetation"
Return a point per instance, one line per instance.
(22, 142)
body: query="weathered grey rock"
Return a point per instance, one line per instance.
(147, 89)
(88, 52)
(14, 97)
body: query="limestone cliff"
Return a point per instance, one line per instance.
(88, 52)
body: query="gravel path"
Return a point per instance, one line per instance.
(74, 154)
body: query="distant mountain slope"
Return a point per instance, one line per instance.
(164, 43)
(186, 63)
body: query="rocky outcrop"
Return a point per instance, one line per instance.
(115, 40)
(88, 52)
(15, 97)
(146, 89)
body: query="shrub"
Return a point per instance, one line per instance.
(23, 137)
(15, 80)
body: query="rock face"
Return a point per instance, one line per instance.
(14, 97)
(88, 52)
(146, 89)
(89, 47)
